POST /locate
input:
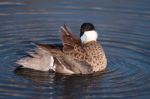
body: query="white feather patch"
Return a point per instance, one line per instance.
(52, 66)
(89, 36)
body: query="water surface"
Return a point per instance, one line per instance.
(124, 32)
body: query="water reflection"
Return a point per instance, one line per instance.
(65, 86)
(35, 76)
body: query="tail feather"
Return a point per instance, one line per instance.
(33, 54)
(39, 60)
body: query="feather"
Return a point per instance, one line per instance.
(69, 40)
(52, 49)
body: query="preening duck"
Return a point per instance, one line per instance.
(76, 55)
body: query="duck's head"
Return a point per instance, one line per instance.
(88, 33)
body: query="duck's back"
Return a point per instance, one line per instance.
(86, 59)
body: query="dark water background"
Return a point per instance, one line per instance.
(124, 32)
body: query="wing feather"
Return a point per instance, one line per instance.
(69, 39)
(52, 49)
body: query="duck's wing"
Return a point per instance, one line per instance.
(69, 39)
(69, 42)
(72, 44)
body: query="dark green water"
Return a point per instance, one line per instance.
(124, 32)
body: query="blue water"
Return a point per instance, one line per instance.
(124, 32)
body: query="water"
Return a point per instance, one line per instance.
(123, 28)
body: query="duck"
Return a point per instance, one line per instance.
(76, 55)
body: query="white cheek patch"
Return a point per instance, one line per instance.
(89, 36)
(83, 38)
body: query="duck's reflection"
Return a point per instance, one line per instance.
(35, 76)
(64, 87)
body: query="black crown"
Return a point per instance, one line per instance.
(86, 27)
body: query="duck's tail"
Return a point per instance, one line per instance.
(40, 60)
